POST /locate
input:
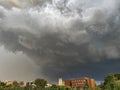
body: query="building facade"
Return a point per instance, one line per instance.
(60, 82)
(81, 82)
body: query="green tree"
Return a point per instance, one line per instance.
(111, 82)
(21, 83)
(15, 84)
(40, 83)
(109, 78)
(2, 84)
(27, 87)
(54, 86)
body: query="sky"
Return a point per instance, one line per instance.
(59, 38)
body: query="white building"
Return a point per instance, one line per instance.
(60, 82)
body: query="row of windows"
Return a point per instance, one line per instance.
(78, 84)
(78, 80)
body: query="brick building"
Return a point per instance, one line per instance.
(81, 82)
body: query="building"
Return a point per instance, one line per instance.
(81, 82)
(60, 82)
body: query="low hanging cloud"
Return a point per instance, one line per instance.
(59, 35)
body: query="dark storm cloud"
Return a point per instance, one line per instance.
(63, 37)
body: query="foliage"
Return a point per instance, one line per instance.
(15, 83)
(40, 83)
(2, 84)
(111, 82)
(21, 83)
(56, 87)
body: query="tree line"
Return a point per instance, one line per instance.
(37, 84)
(111, 82)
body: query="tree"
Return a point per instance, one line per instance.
(109, 78)
(40, 83)
(27, 86)
(15, 84)
(117, 75)
(54, 86)
(2, 84)
(21, 83)
(109, 81)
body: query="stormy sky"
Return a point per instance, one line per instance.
(59, 38)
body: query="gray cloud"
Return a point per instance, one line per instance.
(59, 37)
